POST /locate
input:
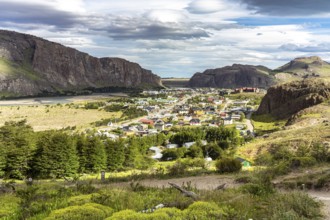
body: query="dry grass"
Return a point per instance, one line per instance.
(42, 117)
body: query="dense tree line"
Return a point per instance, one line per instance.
(57, 153)
(54, 154)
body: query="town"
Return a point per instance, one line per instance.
(166, 110)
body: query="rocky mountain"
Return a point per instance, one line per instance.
(31, 66)
(284, 100)
(234, 76)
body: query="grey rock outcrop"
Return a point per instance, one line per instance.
(32, 66)
(234, 76)
(284, 100)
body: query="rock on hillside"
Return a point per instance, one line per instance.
(234, 76)
(284, 100)
(32, 66)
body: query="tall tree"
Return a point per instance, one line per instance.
(92, 155)
(17, 139)
(55, 155)
(115, 151)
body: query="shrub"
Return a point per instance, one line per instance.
(94, 105)
(228, 165)
(80, 200)
(302, 162)
(84, 212)
(299, 203)
(173, 213)
(203, 210)
(255, 189)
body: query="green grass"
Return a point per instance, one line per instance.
(266, 123)
(9, 204)
(12, 69)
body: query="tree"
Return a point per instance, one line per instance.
(2, 159)
(115, 151)
(188, 135)
(17, 143)
(194, 152)
(212, 150)
(91, 152)
(55, 156)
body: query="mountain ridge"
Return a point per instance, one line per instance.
(30, 66)
(239, 75)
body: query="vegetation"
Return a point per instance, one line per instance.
(266, 124)
(55, 201)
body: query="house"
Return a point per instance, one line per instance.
(218, 102)
(227, 121)
(168, 125)
(244, 162)
(152, 131)
(240, 127)
(236, 117)
(246, 89)
(224, 115)
(195, 121)
(187, 118)
(147, 121)
(170, 146)
(159, 125)
(197, 111)
(189, 144)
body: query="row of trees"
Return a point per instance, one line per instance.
(53, 154)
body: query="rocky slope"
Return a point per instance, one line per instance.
(306, 67)
(287, 99)
(32, 66)
(234, 76)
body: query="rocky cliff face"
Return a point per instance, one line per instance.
(287, 99)
(31, 66)
(233, 76)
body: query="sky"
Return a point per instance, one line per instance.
(177, 38)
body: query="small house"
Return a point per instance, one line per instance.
(195, 121)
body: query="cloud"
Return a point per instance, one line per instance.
(300, 8)
(322, 47)
(123, 28)
(205, 6)
(27, 13)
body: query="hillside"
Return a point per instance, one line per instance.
(31, 66)
(234, 76)
(282, 101)
(303, 67)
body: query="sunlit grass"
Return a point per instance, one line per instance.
(44, 117)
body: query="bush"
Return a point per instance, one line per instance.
(255, 189)
(203, 210)
(132, 215)
(302, 162)
(173, 154)
(84, 212)
(94, 105)
(80, 200)
(228, 165)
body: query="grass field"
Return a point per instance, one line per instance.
(46, 117)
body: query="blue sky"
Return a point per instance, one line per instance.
(176, 38)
